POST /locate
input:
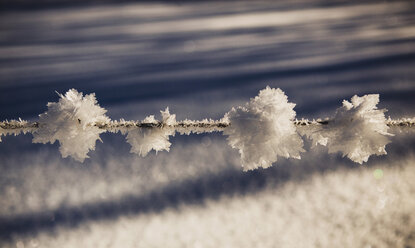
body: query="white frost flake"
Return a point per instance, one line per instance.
(263, 129)
(358, 130)
(69, 122)
(143, 140)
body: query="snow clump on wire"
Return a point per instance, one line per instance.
(263, 129)
(358, 130)
(143, 140)
(69, 122)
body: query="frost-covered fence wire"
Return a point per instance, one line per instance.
(261, 130)
(205, 126)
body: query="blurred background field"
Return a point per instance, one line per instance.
(201, 58)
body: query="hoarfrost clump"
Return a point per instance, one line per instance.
(263, 129)
(143, 140)
(71, 122)
(358, 130)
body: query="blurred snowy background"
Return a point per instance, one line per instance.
(200, 59)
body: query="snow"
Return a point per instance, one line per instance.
(358, 130)
(319, 209)
(70, 121)
(143, 140)
(263, 129)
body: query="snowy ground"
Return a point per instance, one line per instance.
(200, 59)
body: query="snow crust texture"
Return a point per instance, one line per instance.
(69, 122)
(143, 140)
(358, 130)
(263, 129)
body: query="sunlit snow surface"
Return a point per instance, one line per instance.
(201, 59)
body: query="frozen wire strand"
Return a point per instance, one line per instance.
(183, 126)
(403, 122)
(18, 124)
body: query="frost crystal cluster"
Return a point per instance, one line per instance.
(263, 129)
(143, 140)
(69, 122)
(358, 130)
